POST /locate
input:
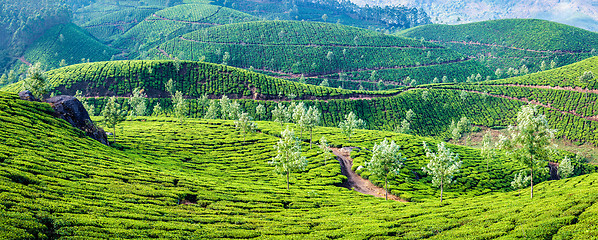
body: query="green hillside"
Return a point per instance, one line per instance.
(435, 111)
(291, 48)
(513, 42)
(69, 43)
(111, 26)
(173, 22)
(164, 180)
(192, 78)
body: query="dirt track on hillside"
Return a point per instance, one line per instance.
(356, 182)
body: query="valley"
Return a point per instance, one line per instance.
(193, 119)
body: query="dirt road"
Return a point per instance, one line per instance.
(355, 181)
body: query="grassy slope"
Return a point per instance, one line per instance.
(193, 78)
(572, 102)
(111, 26)
(58, 183)
(532, 34)
(292, 47)
(76, 44)
(175, 21)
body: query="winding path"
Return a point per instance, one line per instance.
(356, 182)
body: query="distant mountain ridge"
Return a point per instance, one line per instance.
(579, 13)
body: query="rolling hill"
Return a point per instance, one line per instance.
(68, 42)
(173, 22)
(436, 106)
(511, 43)
(199, 180)
(322, 51)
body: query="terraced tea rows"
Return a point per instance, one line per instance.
(318, 49)
(512, 43)
(198, 180)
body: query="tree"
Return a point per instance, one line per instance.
(113, 115)
(62, 63)
(349, 125)
(324, 83)
(138, 103)
(586, 77)
(244, 124)
(310, 120)
(386, 160)
(179, 106)
(234, 110)
(202, 104)
(299, 117)
(543, 66)
(404, 128)
(487, 148)
(445, 79)
(260, 110)
(288, 155)
(169, 87)
(212, 112)
(425, 95)
(498, 72)
(224, 107)
(566, 169)
(443, 164)
(36, 81)
(530, 140)
(157, 111)
(520, 180)
(325, 17)
(552, 64)
(225, 58)
(302, 79)
(279, 114)
(325, 149)
(329, 55)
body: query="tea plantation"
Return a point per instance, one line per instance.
(321, 50)
(199, 180)
(512, 43)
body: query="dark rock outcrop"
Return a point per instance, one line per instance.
(27, 95)
(71, 110)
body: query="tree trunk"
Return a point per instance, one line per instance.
(532, 183)
(288, 173)
(386, 187)
(114, 134)
(310, 137)
(441, 190)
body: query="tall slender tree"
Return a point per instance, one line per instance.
(288, 157)
(113, 115)
(529, 142)
(386, 160)
(443, 164)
